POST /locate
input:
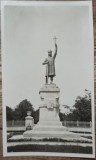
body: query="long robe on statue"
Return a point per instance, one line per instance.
(50, 66)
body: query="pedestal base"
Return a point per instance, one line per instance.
(49, 125)
(53, 132)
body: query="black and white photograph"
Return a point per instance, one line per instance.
(48, 78)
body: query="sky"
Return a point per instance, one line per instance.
(28, 35)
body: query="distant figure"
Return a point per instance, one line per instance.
(50, 64)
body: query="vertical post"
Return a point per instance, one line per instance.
(77, 123)
(12, 123)
(90, 124)
(65, 123)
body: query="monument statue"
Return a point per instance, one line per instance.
(49, 125)
(50, 64)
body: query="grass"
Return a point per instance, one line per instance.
(81, 132)
(16, 133)
(89, 137)
(48, 148)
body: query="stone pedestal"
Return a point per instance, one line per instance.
(49, 107)
(49, 121)
(29, 121)
(49, 125)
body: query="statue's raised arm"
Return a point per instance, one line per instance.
(55, 54)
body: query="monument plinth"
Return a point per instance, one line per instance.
(49, 124)
(49, 107)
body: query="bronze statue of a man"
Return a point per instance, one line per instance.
(50, 65)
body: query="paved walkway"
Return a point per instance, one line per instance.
(51, 143)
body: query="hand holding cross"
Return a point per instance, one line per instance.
(55, 42)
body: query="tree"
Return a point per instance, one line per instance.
(62, 116)
(65, 113)
(9, 114)
(20, 111)
(66, 117)
(35, 115)
(82, 111)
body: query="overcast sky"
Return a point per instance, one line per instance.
(28, 35)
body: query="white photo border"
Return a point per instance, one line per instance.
(46, 3)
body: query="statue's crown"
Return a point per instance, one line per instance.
(49, 51)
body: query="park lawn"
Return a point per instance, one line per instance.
(49, 148)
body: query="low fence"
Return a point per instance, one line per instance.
(15, 123)
(78, 124)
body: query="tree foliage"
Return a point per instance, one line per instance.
(82, 111)
(68, 117)
(21, 109)
(9, 114)
(35, 115)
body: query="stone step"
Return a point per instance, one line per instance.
(55, 123)
(49, 128)
(50, 134)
